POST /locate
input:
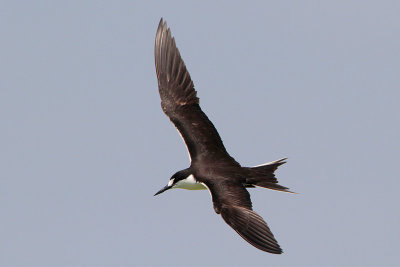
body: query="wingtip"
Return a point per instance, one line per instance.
(277, 252)
(161, 23)
(251, 227)
(171, 71)
(162, 27)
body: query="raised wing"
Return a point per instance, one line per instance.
(179, 100)
(233, 202)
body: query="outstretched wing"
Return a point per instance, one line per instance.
(233, 202)
(179, 100)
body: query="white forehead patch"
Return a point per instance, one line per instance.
(171, 181)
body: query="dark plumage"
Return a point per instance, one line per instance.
(211, 165)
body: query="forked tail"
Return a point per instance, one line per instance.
(263, 176)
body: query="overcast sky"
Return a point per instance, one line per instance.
(84, 144)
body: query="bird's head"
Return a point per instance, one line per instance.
(170, 185)
(174, 181)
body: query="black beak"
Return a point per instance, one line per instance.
(162, 190)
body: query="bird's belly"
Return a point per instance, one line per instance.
(190, 183)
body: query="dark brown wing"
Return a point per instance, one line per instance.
(233, 202)
(179, 100)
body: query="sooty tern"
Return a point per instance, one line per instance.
(211, 166)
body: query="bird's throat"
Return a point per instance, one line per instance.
(190, 183)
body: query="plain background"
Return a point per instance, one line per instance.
(85, 145)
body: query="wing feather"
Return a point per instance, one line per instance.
(179, 99)
(251, 227)
(234, 205)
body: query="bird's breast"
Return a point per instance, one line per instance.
(190, 183)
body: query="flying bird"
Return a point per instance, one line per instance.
(211, 166)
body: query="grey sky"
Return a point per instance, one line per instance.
(85, 145)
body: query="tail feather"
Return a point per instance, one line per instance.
(271, 165)
(263, 176)
(276, 187)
